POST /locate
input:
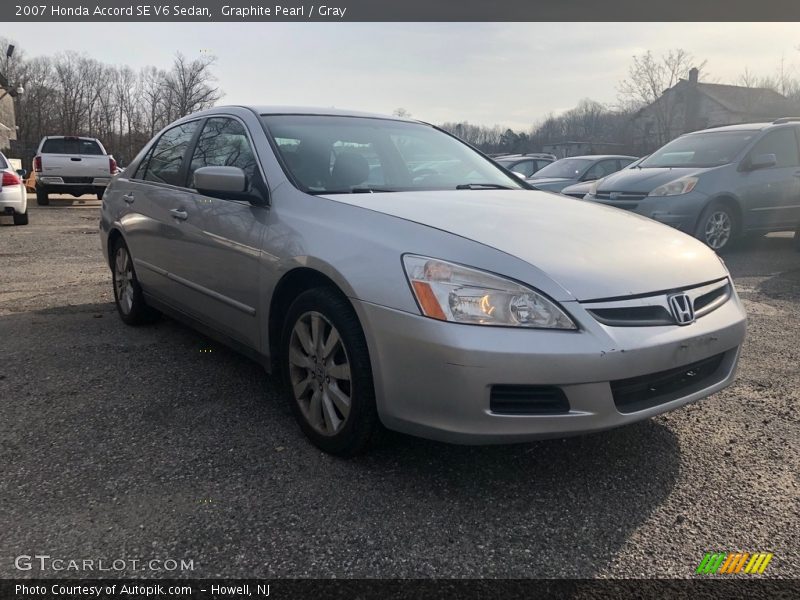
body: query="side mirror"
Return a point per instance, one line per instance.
(762, 161)
(22, 173)
(228, 183)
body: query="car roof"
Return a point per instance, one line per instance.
(69, 137)
(600, 156)
(535, 155)
(739, 127)
(305, 110)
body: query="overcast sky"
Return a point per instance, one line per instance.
(511, 74)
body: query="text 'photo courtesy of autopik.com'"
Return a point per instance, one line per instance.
(399, 300)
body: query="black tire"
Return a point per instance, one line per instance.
(357, 429)
(133, 310)
(42, 198)
(797, 238)
(100, 192)
(20, 218)
(712, 225)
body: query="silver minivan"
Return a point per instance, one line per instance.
(716, 184)
(391, 275)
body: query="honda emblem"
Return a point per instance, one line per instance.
(682, 309)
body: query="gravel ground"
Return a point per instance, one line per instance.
(155, 442)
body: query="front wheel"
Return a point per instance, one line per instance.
(20, 218)
(327, 372)
(718, 226)
(128, 294)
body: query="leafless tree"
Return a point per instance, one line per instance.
(72, 94)
(190, 85)
(649, 77)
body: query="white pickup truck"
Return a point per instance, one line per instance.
(71, 165)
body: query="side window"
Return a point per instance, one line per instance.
(624, 162)
(223, 143)
(142, 168)
(166, 158)
(525, 167)
(541, 164)
(601, 169)
(782, 143)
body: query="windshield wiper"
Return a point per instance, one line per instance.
(482, 186)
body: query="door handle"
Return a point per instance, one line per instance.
(179, 213)
(128, 198)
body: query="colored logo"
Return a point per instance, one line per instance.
(728, 562)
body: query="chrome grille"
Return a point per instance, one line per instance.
(654, 310)
(620, 196)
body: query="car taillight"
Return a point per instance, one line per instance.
(112, 165)
(37, 164)
(11, 178)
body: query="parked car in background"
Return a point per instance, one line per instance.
(449, 305)
(525, 164)
(71, 165)
(579, 190)
(716, 184)
(576, 169)
(13, 197)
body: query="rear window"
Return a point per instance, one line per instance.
(3, 163)
(71, 146)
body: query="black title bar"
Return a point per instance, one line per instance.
(397, 10)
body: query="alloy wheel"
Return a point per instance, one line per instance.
(123, 279)
(718, 229)
(319, 371)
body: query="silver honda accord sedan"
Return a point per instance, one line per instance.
(391, 275)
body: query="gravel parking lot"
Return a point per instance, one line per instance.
(155, 442)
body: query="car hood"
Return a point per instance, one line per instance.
(537, 180)
(550, 183)
(590, 250)
(642, 180)
(578, 188)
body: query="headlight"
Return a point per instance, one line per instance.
(684, 185)
(451, 292)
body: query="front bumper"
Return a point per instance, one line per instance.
(681, 212)
(433, 379)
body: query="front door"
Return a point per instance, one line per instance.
(772, 195)
(225, 236)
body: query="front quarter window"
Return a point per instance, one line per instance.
(326, 154)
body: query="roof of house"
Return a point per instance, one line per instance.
(749, 100)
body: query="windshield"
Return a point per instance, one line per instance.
(710, 149)
(334, 155)
(569, 168)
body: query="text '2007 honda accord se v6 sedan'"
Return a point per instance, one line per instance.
(392, 275)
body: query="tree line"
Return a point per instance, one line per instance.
(72, 94)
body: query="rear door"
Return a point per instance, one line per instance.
(772, 196)
(157, 222)
(223, 244)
